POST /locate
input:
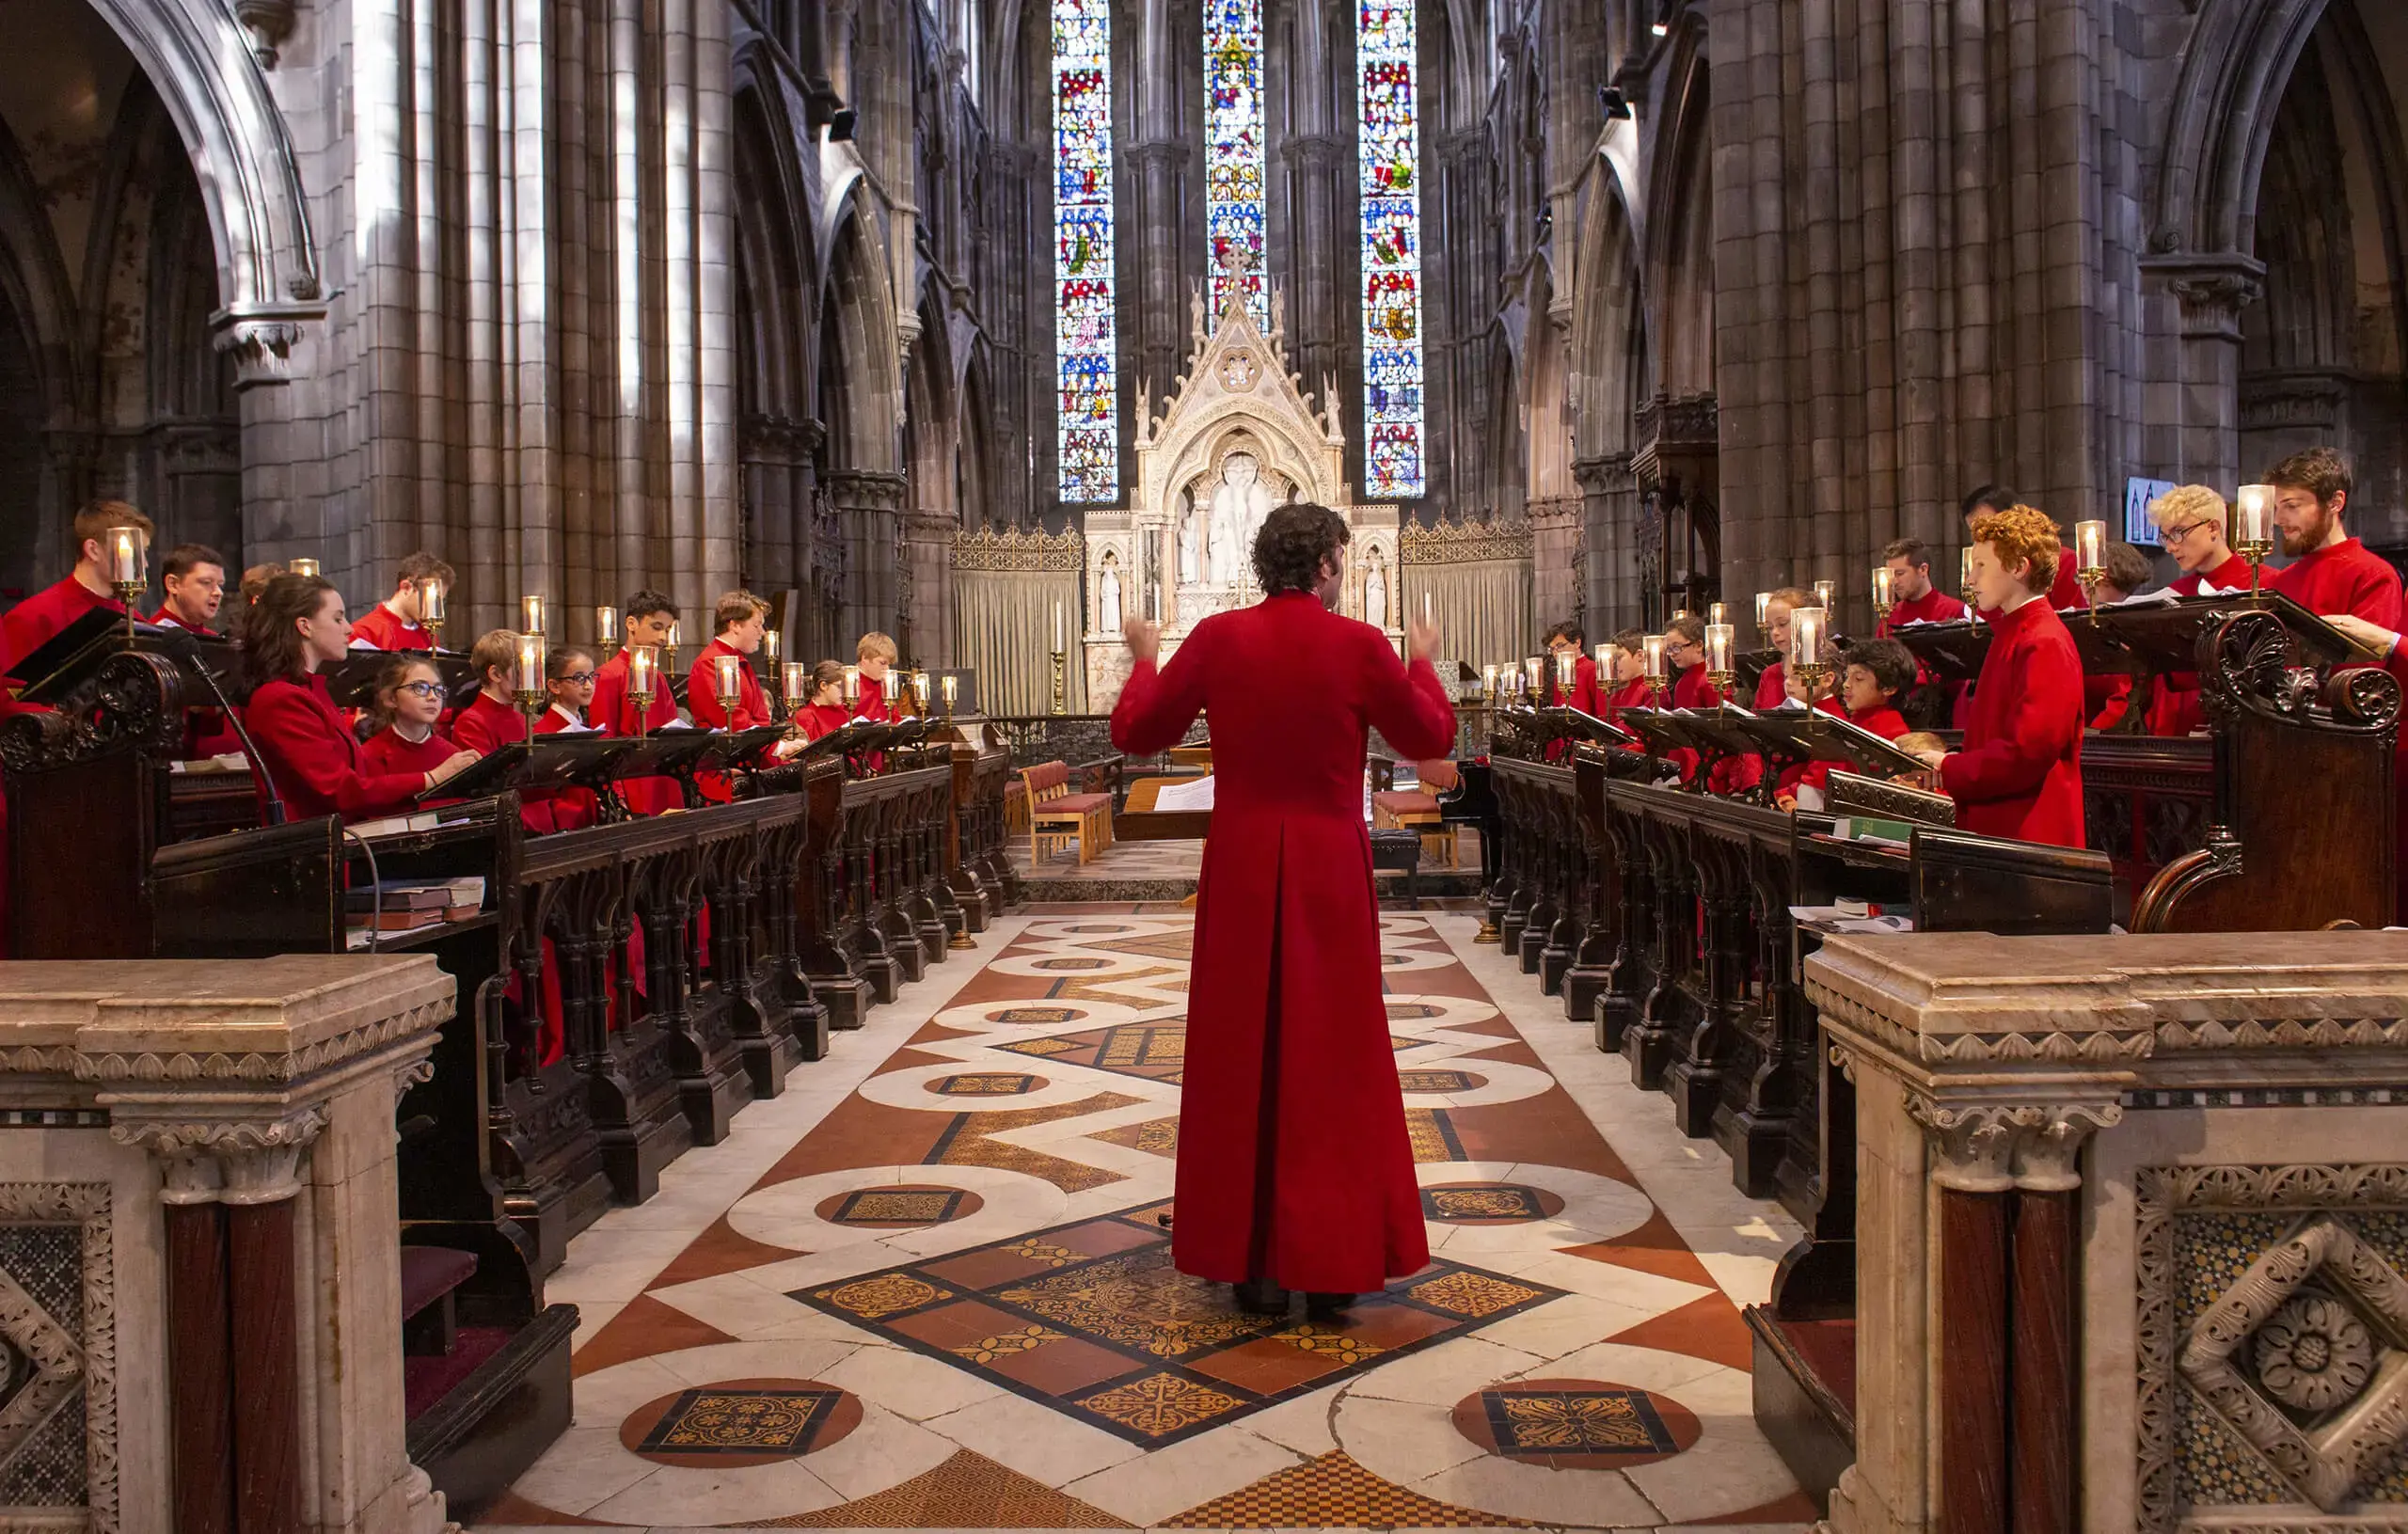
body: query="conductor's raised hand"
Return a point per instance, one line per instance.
(1421, 638)
(1144, 637)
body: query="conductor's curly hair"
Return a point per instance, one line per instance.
(1295, 539)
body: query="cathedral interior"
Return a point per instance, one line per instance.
(990, 328)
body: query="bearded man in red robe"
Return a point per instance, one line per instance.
(1294, 1171)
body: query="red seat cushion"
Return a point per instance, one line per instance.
(1406, 801)
(1075, 804)
(430, 1272)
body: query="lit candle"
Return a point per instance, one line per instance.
(1566, 667)
(301, 567)
(1824, 592)
(643, 672)
(2253, 514)
(1806, 637)
(1718, 612)
(952, 692)
(1718, 637)
(853, 686)
(769, 646)
(795, 682)
(1657, 668)
(129, 552)
(1488, 681)
(728, 679)
(1605, 664)
(1763, 608)
(432, 600)
(531, 663)
(2090, 547)
(1533, 675)
(1884, 588)
(920, 688)
(1425, 607)
(531, 615)
(672, 636)
(1058, 629)
(606, 624)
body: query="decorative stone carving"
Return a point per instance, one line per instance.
(1452, 541)
(269, 23)
(2313, 1354)
(2211, 288)
(1988, 1148)
(262, 349)
(1012, 550)
(64, 1471)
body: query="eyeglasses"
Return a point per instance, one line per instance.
(421, 689)
(576, 679)
(2172, 536)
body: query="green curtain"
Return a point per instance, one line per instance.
(1003, 623)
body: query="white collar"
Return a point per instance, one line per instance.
(426, 733)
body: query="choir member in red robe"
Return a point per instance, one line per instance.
(1583, 694)
(1628, 685)
(2064, 586)
(875, 656)
(1773, 685)
(1913, 597)
(1874, 675)
(645, 623)
(306, 753)
(194, 582)
(2019, 773)
(824, 711)
(492, 718)
(2331, 571)
(255, 579)
(568, 676)
(1294, 1170)
(2190, 525)
(39, 619)
(409, 704)
(396, 623)
(737, 625)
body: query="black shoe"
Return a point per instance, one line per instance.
(1258, 1298)
(1320, 1306)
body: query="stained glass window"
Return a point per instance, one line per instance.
(1385, 38)
(1233, 151)
(1087, 343)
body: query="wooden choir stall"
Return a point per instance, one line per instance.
(622, 989)
(1674, 920)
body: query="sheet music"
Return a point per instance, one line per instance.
(1186, 796)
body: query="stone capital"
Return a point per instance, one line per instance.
(260, 338)
(1990, 1147)
(2212, 289)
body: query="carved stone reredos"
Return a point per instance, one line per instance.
(1237, 384)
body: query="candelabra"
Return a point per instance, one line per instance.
(727, 685)
(2090, 561)
(1885, 594)
(952, 686)
(529, 693)
(2253, 528)
(433, 609)
(644, 683)
(129, 562)
(1061, 683)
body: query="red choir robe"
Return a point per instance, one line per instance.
(614, 711)
(1772, 688)
(702, 691)
(2019, 773)
(874, 704)
(1293, 1165)
(206, 730)
(816, 720)
(2346, 577)
(24, 628)
(388, 751)
(572, 809)
(1630, 695)
(166, 618)
(1582, 694)
(485, 727)
(1884, 722)
(380, 629)
(1690, 689)
(310, 755)
(2176, 707)
(1933, 606)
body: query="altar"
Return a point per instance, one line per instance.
(1237, 436)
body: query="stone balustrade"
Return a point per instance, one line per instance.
(200, 1251)
(2131, 1230)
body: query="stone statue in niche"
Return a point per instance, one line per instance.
(1107, 596)
(1240, 503)
(1376, 594)
(1191, 546)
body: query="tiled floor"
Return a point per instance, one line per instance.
(928, 1287)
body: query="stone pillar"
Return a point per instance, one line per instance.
(1609, 517)
(869, 510)
(2209, 293)
(223, 1132)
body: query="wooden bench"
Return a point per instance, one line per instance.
(1056, 815)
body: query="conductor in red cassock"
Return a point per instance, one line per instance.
(1294, 1171)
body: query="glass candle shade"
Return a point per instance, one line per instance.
(129, 556)
(793, 677)
(643, 672)
(2253, 514)
(1567, 666)
(727, 678)
(531, 615)
(606, 624)
(1718, 645)
(1885, 587)
(301, 567)
(1658, 663)
(1806, 637)
(853, 686)
(952, 692)
(1533, 673)
(1965, 578)
(433, 601)
(2090, 547)
(1824, 592)
(1764, 610)
(1718, 612)
(531, 663)
(769, 646)
(1488, 681)
(672, 635)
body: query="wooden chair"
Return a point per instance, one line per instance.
(1056, 815)
(1418, 809)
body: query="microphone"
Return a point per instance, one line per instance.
(275, 815)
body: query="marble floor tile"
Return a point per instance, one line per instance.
(1575, 1166)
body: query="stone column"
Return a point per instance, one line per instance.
(1556, 527)
(240, 1345)
(1609, 517)
(927, 560)
(869, 510)
(2209, 293)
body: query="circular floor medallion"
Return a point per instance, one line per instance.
(730, 1424)
(898, 1206)
(1576, 1424)
(1488, 1203)
(987, 1083)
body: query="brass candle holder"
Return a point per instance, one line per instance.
(433, 609)
(1885, 594)
(643, 685)
(1061, 683)
(2253, 533)
(1965, 587)
(1720, 642)
(1806, 660)
(529, 693)
(129, 566)
(951, 694)
(1658, 670)
(727, 684)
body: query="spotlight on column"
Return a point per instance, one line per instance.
(1615, 106)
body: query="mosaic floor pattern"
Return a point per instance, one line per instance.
(931, 1286)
